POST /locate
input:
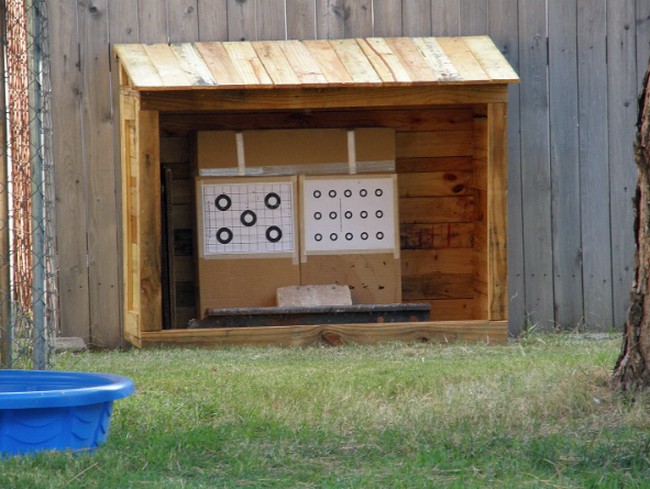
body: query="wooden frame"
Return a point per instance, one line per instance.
(141, 109)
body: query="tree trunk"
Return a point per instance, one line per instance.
(632, 370)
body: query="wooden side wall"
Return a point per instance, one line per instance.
(571, 173)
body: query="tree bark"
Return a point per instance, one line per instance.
(632, 370)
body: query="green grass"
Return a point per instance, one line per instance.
(532, 414)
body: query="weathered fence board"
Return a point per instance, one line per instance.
(565, 177)
(70, 182)
(571, 127)
(594, 175)
(535, 163)
(622, 109)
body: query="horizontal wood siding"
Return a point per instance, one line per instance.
(571, 127)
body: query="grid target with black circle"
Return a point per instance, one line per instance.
(252, 218)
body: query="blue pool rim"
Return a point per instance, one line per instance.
(25, 389)
(45, 410)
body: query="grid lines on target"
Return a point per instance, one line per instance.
(248, 218)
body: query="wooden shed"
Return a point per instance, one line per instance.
(427, 114)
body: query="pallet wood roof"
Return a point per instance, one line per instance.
(369, 62)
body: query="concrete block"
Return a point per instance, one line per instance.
(314, 295)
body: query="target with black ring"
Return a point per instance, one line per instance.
(274, 234)
(334, 236)
(349, 236)
(223, 202)
(363, 214)
(363, 192)
(364, 236)
(248, 218)
(272, 201)
(318, 237)
(348, 193)
(333, 215)
(379, 192)
(348, 214)
(379, 214)
(380, 235)
(224, 235)
(332, 193)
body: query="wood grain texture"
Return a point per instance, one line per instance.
(416, 18)
(183, 20)
(445, 18)
(594, 164)
(473, 17)
(212, 20)
(152, 21)
(301, 19)
(388, 18)
(271, 20)
(70, 178)
(497, 209)
(472, 331)
(565, 168)
(642, 40)
(621, 53)
(242, 20)
(535, 168)
(504, 29)
(102, 234)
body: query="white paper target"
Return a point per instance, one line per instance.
(349, 214)
(248, 218)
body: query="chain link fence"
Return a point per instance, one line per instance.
(27, 245)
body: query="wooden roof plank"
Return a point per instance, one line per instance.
(193, 65)
(304, 65)
(167, 65)
(250, 67)
(137, 64)
(354, 61)
(411, 58)
(437, 59)
(220, 64)
(275, 63)
(384, 60)
(490, 58)
(463, 59)
(329, 62)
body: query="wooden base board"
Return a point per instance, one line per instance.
(491, 332)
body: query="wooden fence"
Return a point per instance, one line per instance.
(571, 169)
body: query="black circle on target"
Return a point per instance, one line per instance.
(363, 192)
(274, 234)
(380, 235)
(379, 192)
(363, 214)
(272, 200)
(348, 214)
(317, 194)
(334, 236)
(364, 236)
(348, 193)
(349, 236)
(248, 218)
(332, 193)
(223, 202)
(224, 235)
(318, 216)
(318, 237)
(379, 214)
(333, 215)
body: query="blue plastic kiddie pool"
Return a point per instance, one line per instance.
(50, 410)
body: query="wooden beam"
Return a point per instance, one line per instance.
(325, 98)
(492, 332)
(497, 211)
